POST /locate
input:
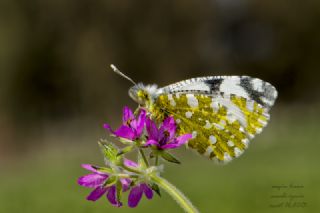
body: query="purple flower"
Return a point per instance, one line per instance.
(132, 127)
(96, 180)
(164, 137)
(137, 192)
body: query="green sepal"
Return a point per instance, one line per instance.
(126, 141)
(155, 188)
(110, 181)
(119, 190)
(108, 149)
(125, 150)
(169, 157)
(103, 169)
(110, 152)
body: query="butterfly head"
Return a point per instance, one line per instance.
(143, 94)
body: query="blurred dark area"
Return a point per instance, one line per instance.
(55, 55)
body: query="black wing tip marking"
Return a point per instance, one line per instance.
(266, 95)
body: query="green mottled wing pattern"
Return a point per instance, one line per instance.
(221, 125)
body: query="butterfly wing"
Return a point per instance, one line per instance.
(222, 122)
(243, 86)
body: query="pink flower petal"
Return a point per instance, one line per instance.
(177, 142)
(151, 142)
(93, 169)
(169, 126)
(92, 180)
(135, 196)
(112, 197)
(140, 123)
(183, 138)
(152, 129)
(127, 114)
(88, 167)
(171, 146)
(107, 127)
(147, 191)
(96, 194)
(129, 163)
(125, 184)
(125, 132)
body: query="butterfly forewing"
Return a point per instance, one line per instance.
(250, 88)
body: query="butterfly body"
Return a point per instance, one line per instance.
(222, 112)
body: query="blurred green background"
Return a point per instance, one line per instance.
(56, 91)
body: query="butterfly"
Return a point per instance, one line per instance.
(223, 113)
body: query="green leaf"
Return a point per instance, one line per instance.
(110, 181)
(109, 150)
(169, 157)
(125, 150)
(155, 188)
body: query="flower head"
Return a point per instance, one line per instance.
(164, 137)
(131, 127)
(97, 181)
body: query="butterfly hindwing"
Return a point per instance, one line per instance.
(221, 125)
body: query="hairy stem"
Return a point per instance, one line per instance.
(177, 195)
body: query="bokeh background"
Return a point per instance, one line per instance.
(56, 91)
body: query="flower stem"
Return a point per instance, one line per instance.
(127, 176)
(144, 157)
(130, 169)
(177, 195)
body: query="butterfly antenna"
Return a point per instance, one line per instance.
(116, 70)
